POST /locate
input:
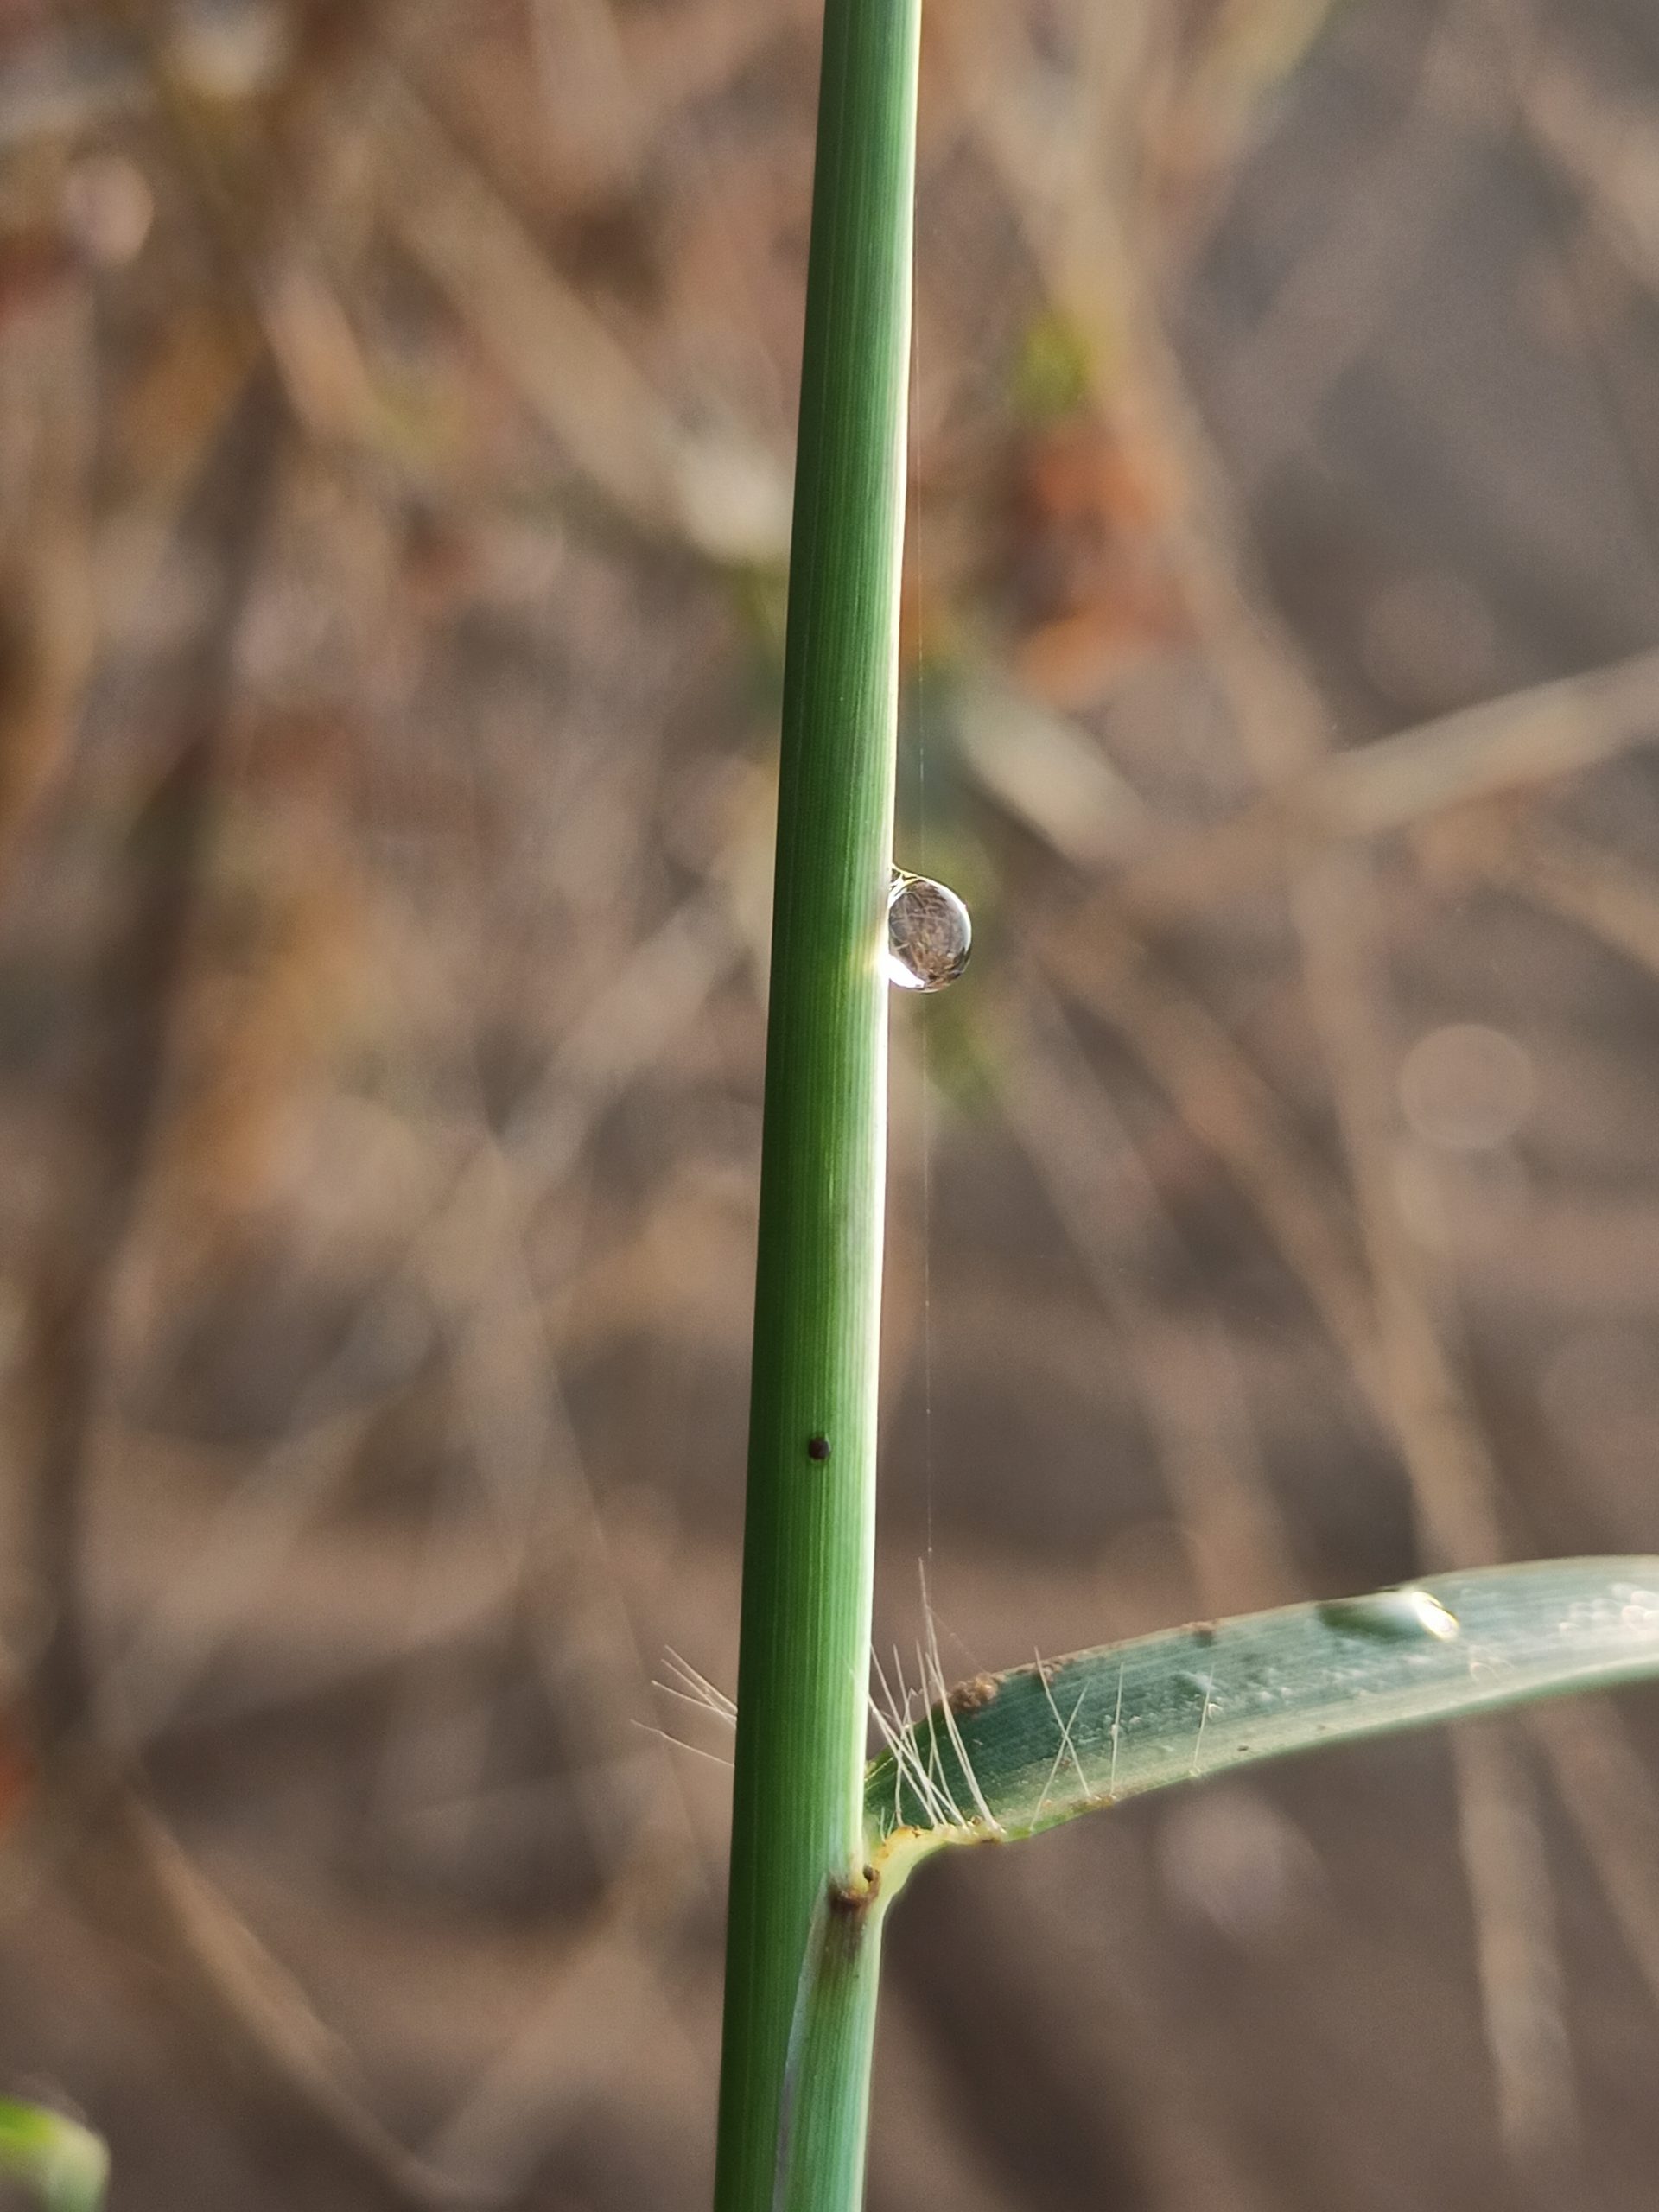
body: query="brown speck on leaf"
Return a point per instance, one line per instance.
(969, 1696)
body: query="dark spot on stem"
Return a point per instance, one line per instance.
(818, 1447)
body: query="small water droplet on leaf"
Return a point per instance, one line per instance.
(1396, 1616)
(930, 933)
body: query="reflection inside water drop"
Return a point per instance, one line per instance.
(929, 934)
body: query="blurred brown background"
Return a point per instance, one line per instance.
(394, 481)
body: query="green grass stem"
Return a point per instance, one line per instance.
(809, 1537)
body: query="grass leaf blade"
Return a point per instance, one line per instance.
(1048, 1741)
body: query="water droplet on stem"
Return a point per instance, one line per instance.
(930, 933)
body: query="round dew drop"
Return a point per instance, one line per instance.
(930, 933)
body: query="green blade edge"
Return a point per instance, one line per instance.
(63, 2165)
(1008, 1756)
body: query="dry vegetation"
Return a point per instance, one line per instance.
(395, 399)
